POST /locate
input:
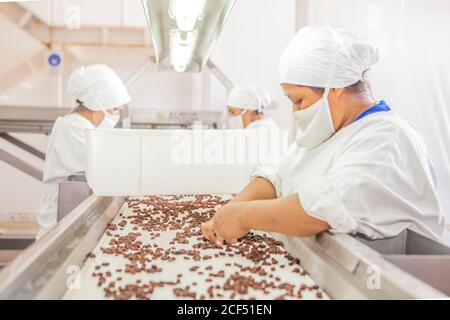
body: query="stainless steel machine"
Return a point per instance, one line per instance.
(408, 266)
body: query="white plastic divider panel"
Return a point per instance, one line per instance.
(113, 162)
(161, 162)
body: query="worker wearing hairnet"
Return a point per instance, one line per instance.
(245, 107)
(99, 93)
(356, 167)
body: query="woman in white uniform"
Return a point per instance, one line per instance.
(245, 109)
(356, 167)
(99, 93)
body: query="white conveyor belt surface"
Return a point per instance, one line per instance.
(154, 249)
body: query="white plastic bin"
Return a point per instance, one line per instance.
(124, 162)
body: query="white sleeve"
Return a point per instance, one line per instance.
(70, 147)
(269, 172)
(340, 195)
(326, 200)
(377, 186)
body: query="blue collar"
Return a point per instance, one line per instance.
(379, 107)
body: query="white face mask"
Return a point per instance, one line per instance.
(109, 120)
(235, 122)
(315, 124)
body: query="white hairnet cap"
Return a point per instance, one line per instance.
(248, 98)
(98, 87)
(323, 56)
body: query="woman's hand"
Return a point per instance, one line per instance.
(283, 215)
(227, 224)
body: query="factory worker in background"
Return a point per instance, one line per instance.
(99, 93)
(245, 107)
(356, 167)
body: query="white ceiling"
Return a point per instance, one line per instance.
(119, 14)
(111, 13)
(24, 46)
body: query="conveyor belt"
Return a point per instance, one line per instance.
(154, 250)
(343, 267)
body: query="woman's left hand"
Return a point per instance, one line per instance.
(227, 224)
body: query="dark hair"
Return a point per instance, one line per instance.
(79, 108)
(358, 87)
(317, 90)
(361, 85)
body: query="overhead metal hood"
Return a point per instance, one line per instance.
(184, 32)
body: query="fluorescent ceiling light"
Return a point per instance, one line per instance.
(186, 13)
(182, 46)
(184, 32)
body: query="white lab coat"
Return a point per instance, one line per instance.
(373, 177)
(65, 156)
(264, 123)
